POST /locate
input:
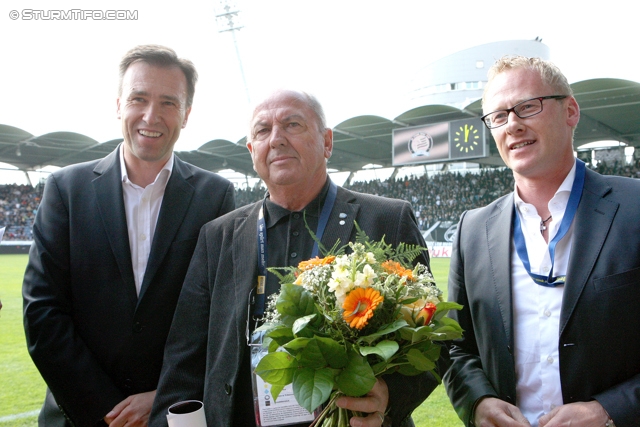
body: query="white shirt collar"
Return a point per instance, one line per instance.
(564, 190)
(168, 166)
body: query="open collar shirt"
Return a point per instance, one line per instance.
(536, 308)
(142, 207)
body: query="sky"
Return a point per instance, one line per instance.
(355, 56)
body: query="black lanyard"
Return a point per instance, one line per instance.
(569, 214)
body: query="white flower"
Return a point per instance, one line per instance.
(365, 278)
(342, 262)
(371, 259)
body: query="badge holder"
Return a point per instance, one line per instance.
(269, 412)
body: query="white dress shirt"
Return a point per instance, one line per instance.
(536, 308)
(142, 207)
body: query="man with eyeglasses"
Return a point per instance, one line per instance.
(549, 275)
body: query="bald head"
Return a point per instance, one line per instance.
(294, 97)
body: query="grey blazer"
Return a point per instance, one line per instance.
(92, 339)
(599, 344)
(207, 338)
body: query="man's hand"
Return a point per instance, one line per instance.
(133, 411)
(578, 414)
(492, 412)
(374, 403)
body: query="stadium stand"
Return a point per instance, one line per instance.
(439, 197)
(18, 207)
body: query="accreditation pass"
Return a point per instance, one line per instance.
(282, 412)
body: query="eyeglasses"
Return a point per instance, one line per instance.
(524, 109)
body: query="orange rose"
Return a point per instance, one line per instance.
(426, 314)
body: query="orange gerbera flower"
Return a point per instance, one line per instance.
(359, 306)
(314, 262)
(394, 267)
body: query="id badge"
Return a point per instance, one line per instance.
(268, 412)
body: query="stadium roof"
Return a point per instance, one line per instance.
(610, 110)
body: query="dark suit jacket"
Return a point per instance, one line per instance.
(93, 340)
(600, 319)
(207, 339)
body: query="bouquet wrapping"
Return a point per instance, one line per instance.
(343, 320)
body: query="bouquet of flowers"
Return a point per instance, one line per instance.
(340, 321)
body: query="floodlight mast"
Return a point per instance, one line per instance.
(227, 18)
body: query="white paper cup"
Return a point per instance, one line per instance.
(188, 413)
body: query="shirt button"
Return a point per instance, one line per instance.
(295, 233)
(296, 215)
(525, 209)
(294, 254)
(143, 237)
(547, 313)
(550, 359)
(545, 269)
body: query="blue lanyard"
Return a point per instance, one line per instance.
(327, 207)
(570, 212)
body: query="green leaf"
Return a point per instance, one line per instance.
(299, 327)
(385, 349)
(275, 391)
(382, 367)
(446, 329)
(407, 332)
(446, 333)
(294, 302)
(421, 333)
(357, 378)
(311, 356)
(383, 331)
(420, 361)
(408, 370)
(297, 344)
(417, 334)
(442, 308)
(312, 387)
(334, 353)
(277, 368)
(281, 335)
(409, 300)
(272, 345)
(433, 352)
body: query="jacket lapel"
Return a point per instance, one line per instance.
(245, 266)
(108, 192)
(499, 250)
(592, 223)
(175, 204)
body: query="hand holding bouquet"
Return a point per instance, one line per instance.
(340, 321)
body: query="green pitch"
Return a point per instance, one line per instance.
(22, 389)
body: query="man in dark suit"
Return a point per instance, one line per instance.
(549, 275)
(112, 242)
(207, 357)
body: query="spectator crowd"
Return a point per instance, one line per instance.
(18, 207)
(440, 197)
